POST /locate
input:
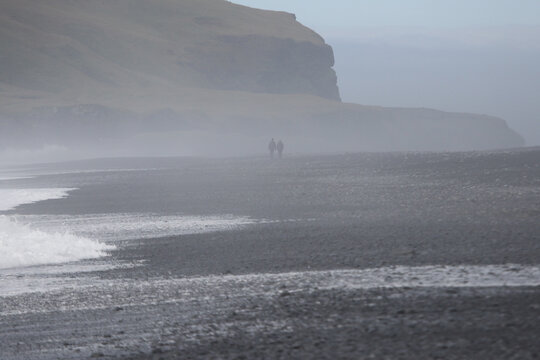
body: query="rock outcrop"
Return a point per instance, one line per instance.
(267, 65)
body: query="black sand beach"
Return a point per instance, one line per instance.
(213, 295)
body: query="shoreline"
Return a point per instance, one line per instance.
(350, 215)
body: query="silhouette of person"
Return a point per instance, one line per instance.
(272, 148)
(280, 147)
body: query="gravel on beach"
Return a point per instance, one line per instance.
(313, 213)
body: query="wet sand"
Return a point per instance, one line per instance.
(317, 213)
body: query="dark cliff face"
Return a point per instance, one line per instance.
(266, 65)
(59, 44)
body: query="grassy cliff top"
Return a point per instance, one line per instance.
(80, 51)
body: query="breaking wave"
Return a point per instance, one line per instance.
(21, 245)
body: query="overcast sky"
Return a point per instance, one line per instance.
(478, 56)
(333, 16)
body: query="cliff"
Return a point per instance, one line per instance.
(59, 46)
(118, 74)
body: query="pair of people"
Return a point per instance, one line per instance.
(272, 147)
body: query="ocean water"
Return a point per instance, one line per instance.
(59, 226)
(42, 252)
(30, 240)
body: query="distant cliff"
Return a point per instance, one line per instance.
(166, 72)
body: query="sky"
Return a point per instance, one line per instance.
(477, 56)
(331, 17)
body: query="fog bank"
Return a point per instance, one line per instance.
(479, 70)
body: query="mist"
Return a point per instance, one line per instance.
(237, 77)
(484, 70)
(196, 179)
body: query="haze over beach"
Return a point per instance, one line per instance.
(477, 57)
(204, 179)
(175, 79)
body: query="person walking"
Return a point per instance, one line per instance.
(280, 148)
(272, 148)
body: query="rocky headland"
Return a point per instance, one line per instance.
(117, 74)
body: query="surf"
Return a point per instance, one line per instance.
(23, 245)
(11, 198)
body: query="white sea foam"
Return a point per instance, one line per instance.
(134, 226)
(21, 245)
(24, 245)
(14, 177)
(133, 292)
(11, 198)
(16, 281)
